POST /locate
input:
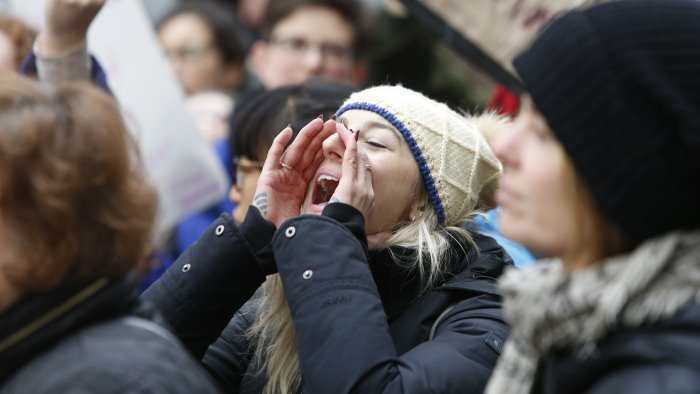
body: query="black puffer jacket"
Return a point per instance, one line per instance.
(351, 336)
(92, 337)
(656, 358)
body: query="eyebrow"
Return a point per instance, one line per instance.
(383, 126)
(373, 124)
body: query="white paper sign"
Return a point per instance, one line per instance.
(180, 164)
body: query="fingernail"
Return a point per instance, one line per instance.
(320, 116)
(289, 126)
(357, 135)
(333, 117)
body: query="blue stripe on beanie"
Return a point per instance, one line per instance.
(412, 145)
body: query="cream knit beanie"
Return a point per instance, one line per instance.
(457, 165)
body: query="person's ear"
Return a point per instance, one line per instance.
(415, 212)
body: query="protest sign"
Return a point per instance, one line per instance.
(181, 165)
(490, 32)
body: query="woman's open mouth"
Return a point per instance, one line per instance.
(324, 189)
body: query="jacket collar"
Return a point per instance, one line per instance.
(469, 268)
(35, 323)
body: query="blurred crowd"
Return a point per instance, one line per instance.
(394, 221)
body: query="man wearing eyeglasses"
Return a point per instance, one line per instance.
(311, 38)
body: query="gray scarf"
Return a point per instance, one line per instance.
(549, 309)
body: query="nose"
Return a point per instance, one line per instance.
(333, 147)
(505, 145)
(313, 59)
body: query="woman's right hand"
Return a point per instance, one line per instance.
(355, 186)
(286, 174)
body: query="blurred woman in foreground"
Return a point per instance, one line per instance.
(76, 216)
(601, 172)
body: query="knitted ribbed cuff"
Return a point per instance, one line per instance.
(71, 65)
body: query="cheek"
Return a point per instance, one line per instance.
(543, 220)
(544, 229)
(239, 213)
(393, 191)
(281, 67)
(249, 186)
(337, 72)
(205, 71)
(247, 193)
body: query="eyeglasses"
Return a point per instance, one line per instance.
(189, 53)
(299, 47)
(241, 167)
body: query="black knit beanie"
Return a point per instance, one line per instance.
(619, 84)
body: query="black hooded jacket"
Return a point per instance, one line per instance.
(362, 322)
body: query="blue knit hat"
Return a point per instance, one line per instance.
(456, 163)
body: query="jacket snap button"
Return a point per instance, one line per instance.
(186, 267)
(290, 232)
(307, 274)
(219, 229)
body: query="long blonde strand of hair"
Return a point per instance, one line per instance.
(274, 337)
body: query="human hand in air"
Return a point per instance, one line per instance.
(286, 174)
(67, 23)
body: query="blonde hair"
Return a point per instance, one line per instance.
(273, 333)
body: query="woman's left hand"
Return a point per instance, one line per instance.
(355, 186)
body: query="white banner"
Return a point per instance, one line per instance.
(179, 162)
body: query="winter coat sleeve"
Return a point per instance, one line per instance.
(213, 278)
(343, 339)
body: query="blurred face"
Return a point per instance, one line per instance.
(395, 173)
(246, 174)
(198, 65)
(312, 41)
(211, 112)
(537, 206)
(7, 53)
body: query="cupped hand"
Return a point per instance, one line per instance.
(286, 174)
(355, 186)
(67, 23)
